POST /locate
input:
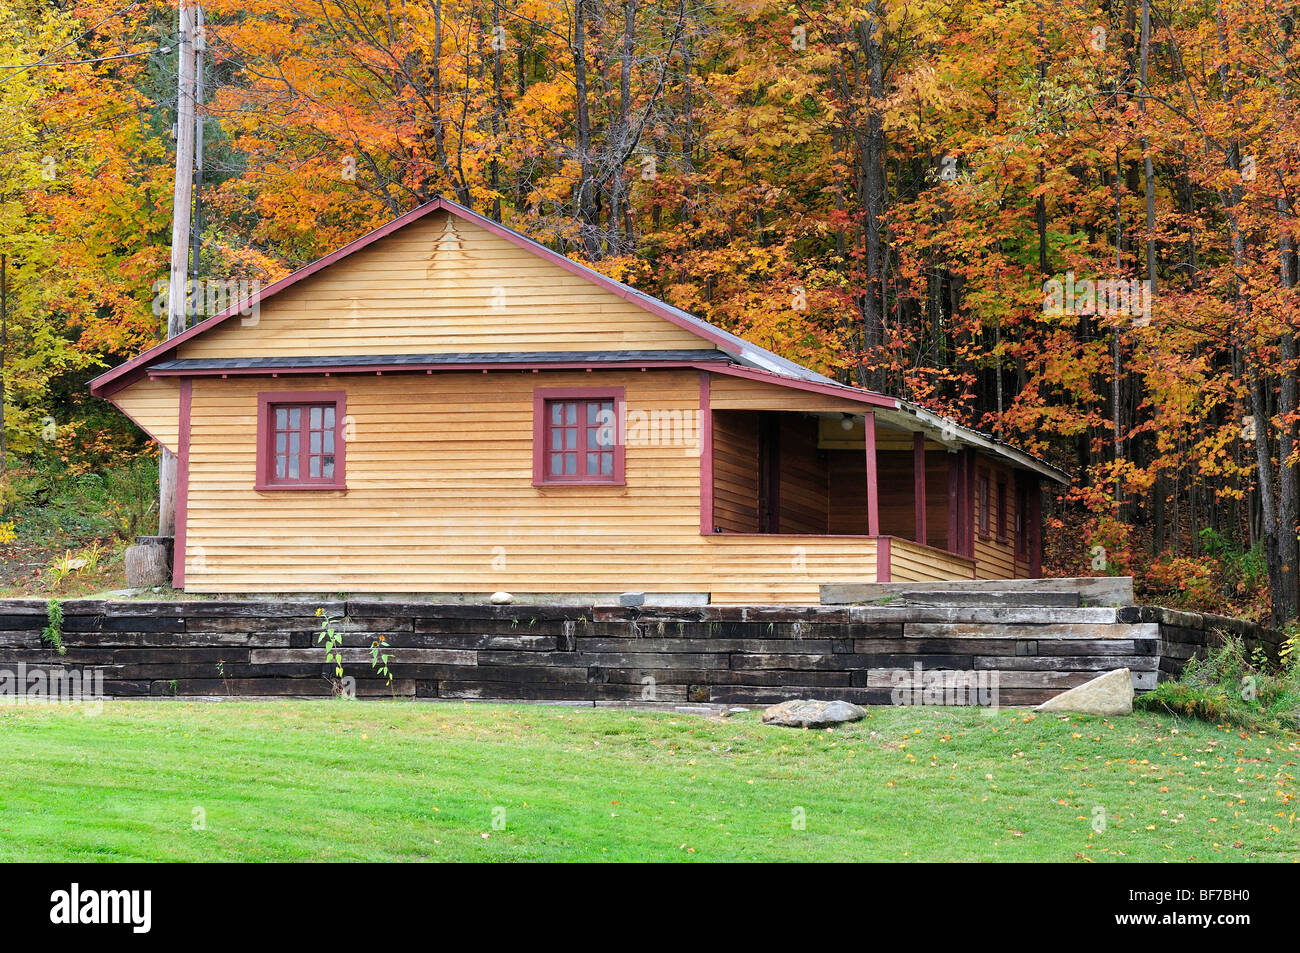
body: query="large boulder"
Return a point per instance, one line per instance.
(807, 713)
(1109, 694)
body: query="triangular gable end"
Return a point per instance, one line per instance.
(443, 279)
(443, 284)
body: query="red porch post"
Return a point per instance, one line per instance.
(918, 482)
(873, 494)
(705, 428)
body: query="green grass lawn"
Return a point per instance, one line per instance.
(339, 780)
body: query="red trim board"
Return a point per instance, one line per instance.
(182, 486)
(706, 455)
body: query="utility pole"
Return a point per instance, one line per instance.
(196, 230)
(179, 273)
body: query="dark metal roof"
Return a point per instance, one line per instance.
(449, 359)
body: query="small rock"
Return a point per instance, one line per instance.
(1109, 694)
(502, 598)
(807, 713)
(632, 599)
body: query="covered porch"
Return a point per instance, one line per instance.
(839, 479)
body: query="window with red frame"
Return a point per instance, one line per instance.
(302, 445)
(580, 441)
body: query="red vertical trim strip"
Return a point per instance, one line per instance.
(918, 481)
(873, 489)
(705, 427)
(884, 555)
(182, 485)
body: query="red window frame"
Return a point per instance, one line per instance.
(577, 432)
(303, 401)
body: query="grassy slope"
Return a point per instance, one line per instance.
(379, 780)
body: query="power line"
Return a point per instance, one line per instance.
(77, 39)
(98, 59)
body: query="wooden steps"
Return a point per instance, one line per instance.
(1060, 593)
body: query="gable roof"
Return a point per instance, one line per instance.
(733, 355)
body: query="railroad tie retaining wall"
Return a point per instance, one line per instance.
(594, 654)
(612, 654)
(1185, 635)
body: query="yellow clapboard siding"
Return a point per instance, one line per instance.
(911, 562)
(155, 406)
(995, 557)
(441, 499)
(442, 284)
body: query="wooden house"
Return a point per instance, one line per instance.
(446, 406)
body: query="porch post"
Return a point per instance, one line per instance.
(918, 481)
(705, 433)
(873, 495)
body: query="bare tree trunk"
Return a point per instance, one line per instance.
(1147, 167)
(1115, 360)
(1287, 592)
(498, 108)
(620, 238)
(872, 190)
(586, 208)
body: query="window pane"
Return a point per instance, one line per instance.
(570, 464)
(329, 416)
(591, 438)
(571, 414)
(293, 468)
(557, 411)
(329, 441)
(570, 439)
(279, 442)
(607, 464)
(293, 443)
(557, 464)
(557, 439)
(329, 468)
(315, 417)
(593, 414)
(593, 464)
(295, 418)
(279, 468)
(314, 442)
(313, 467)
(281, 418)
